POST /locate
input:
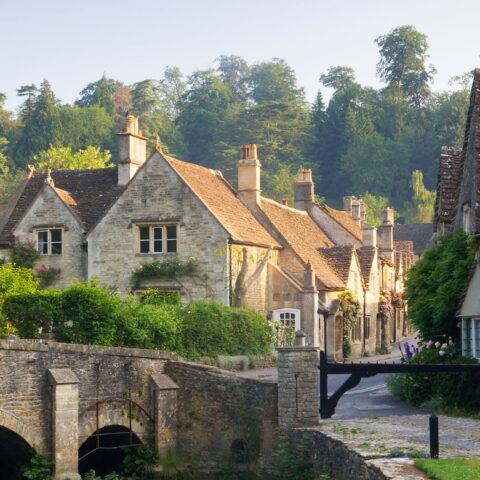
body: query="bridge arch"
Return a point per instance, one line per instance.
(20, 428)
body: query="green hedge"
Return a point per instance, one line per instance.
(89, 314)
(439, 390)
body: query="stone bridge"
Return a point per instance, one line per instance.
(76, 402)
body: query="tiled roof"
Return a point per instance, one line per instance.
(366, 255)
(219, 197)
(448, 184)
(340, 259)
(421, 234)
(345, 220)
(304, 237)
(88, 192)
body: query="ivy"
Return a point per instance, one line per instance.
(350, 308)
(166, 268)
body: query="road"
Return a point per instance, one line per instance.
(370, 398)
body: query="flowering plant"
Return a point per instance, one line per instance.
(46, 274)
(23, 254)
(409, 351)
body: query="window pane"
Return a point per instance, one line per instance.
(56, 242)
(466, 331)
(144, 246)
(157, 239)
(144, 233)
(56, 235)
(477, 338)
(42, 243)
(171, 232)
(171, 245)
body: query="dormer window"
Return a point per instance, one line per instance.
(466, 217)
(157, 238)
(49, 241)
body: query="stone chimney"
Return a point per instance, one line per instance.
(363, 211)
(385, 234)
(369, 235)
(132, 150)
(356, 211)
(347, 204)
(249, 176)
(304, 189)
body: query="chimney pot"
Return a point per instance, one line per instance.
(248, 173)
(304, 189)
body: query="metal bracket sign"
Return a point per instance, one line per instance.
(357, 371)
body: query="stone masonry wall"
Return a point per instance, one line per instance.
(219, 412)
(157, 195)
(104, 374)
(48, 210)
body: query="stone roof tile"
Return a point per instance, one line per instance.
(345, 220)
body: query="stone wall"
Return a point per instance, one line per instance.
(223, 417)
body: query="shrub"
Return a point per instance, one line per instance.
(14, 280)
(39, 468)
(34, 313)
(209, 329)
(435, 286)
(450, 390)
(23, 254)
(90, 315)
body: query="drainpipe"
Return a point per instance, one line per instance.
(230, 284)
(364, 319)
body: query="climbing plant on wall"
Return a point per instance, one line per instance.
(350, 308)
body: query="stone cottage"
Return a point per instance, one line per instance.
(290, 264)
(458, 208)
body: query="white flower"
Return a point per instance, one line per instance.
(40, 330)
(437, 344)
(444, 345)
(68, 324)
(441, 353)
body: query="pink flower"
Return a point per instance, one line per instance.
(437, 344)
(444, 345)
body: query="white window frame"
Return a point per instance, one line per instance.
(153, 238)
(474, 341)
(49, 241)
(283, 312)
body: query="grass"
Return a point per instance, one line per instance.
(450, 469)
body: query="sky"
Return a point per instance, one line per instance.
(72, 43)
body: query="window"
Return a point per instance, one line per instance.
(288, 317)
(367, 327)
(49, 241)
(466, 218)
(157, 238)
(357, 330)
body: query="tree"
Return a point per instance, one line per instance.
(234, 71)
(62, 158)
(420, 208)
(204, 108)
(435, 285)
(172, 88)
(85, 126)
(403, 53)
(42, 128)
(374, 206)
(30, 92)
(99, 93)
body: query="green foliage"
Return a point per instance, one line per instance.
(140, 460)
(279, 186)
(450, 469)
(87, 313)
(402, 62)
(435, 286)
(23, 254)
(209, 328)
(374, 206)
(14, 280)
(39, 468)
(164, 268)
(62, 158)
(442, 390)
(46, 275)
(91, 475)
(293, 462)
(420, 208)
(350, 310)
(34, 312)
